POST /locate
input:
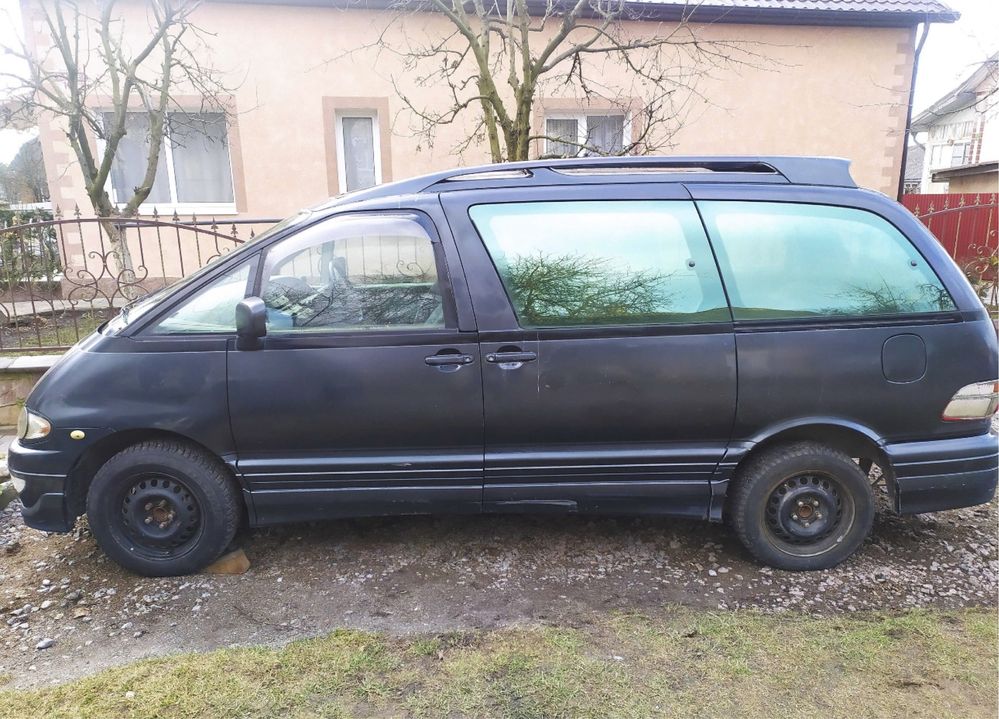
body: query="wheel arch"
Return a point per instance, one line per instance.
(853, 438)
(95, 456)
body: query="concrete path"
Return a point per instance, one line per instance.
(24, 308)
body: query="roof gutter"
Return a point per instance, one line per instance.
(908, 114)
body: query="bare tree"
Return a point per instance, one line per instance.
(90, 78)
(501, 55)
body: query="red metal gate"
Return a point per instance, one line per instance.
(966, 225)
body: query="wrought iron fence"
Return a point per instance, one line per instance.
(61, 278)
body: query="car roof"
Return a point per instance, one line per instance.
(822, 171)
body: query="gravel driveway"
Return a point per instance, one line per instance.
(422, 574)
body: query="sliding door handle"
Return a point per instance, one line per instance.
(510, 357)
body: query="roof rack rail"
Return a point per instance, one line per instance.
(833, 171)
(829, 171)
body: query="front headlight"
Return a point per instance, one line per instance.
(31, 425)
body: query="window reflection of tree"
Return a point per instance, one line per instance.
(577, 289)
(407, 294)
(888, 299)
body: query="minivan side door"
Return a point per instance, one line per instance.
(365, 396)
(609, 376)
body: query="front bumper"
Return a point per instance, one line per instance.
(43, 498)
(945, 473)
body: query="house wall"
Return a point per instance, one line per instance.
(839, 91)
(973, 137)
(983, 117)
(987, 182)
(990, 135)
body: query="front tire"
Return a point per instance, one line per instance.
(801, 506)
(163, 508)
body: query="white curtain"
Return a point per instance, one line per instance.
(359, 152)
(200, 157)
(605, 133)
(129, 166)
(562, 130)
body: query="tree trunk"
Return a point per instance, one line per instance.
(518, 141)
(125, 277)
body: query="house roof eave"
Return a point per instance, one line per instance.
(879, 13)
(961, 97)
(978, 168)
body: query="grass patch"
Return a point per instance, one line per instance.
(680, 664)
(39, 333)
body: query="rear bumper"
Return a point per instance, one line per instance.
(944, 474)
(44, 495)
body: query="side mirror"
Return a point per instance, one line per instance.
(251, 323)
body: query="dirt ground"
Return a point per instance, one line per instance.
(424, 574)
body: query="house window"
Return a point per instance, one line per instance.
(937, 154)
(358, 150)
(580, 135)
(950, 155)
(952, 131)
(959, 154)
(193, 167)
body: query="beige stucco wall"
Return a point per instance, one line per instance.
(821, 90)
(987, 182)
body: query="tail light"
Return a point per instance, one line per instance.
(973, 401)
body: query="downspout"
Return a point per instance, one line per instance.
(908, 116)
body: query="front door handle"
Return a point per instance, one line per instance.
(441, 360)
(510, 357)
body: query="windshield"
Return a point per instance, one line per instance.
(138, 307)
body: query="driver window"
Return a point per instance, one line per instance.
(360, 273)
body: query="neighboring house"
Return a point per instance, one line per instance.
(836, 82)
(961, 132)
(913, 179)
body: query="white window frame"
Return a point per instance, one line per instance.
(181, 208)
(341, 155)
(942, 154)
(581, 129)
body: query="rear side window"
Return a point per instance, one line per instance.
(603, 263)
(796, 260)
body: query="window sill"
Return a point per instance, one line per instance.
(204, 210)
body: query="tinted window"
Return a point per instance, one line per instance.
(593, 263)
(210, 309)
(795, 260)
(353, 273)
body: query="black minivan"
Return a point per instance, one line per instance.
(734, 339)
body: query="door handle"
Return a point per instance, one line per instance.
(510, 357)
(440, 360)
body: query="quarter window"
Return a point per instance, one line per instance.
(794, 260)
(603, 263)
(360, 273)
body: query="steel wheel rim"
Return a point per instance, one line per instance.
(158, 516)
(808, 513)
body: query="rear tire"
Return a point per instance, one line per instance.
(163, 508)
(802, 506)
